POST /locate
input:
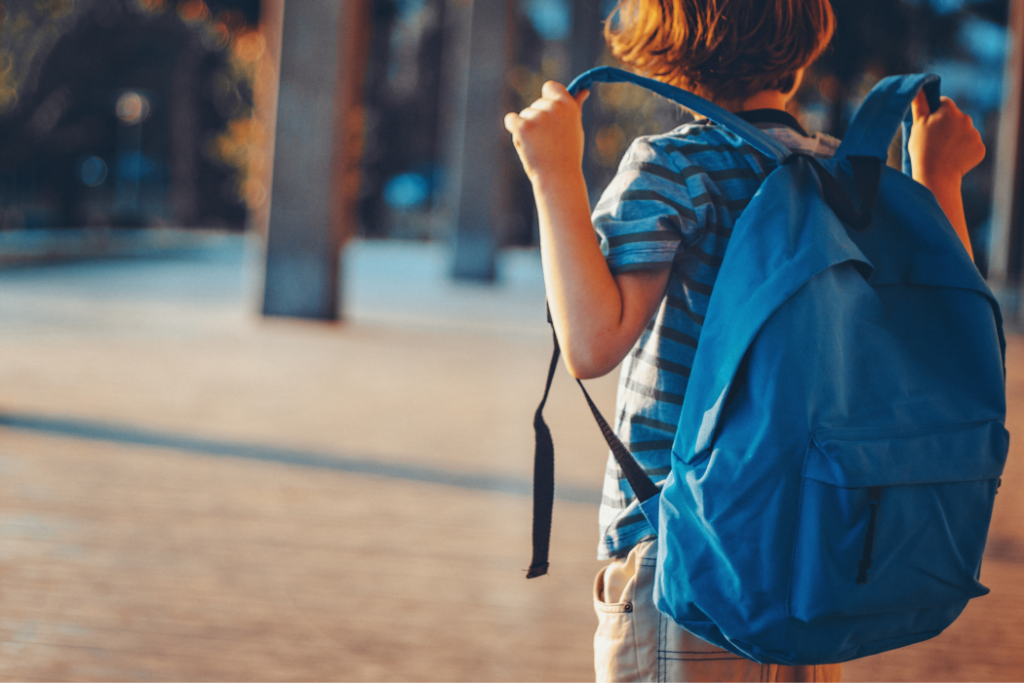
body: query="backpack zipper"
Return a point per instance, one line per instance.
(874, 498)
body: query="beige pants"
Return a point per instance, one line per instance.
(636, 642)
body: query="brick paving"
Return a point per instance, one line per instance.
(192, 493)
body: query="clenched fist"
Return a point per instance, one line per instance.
(548, 134)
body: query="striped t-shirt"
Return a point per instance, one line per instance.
(673, 204)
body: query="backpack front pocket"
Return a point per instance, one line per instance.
(894, 521)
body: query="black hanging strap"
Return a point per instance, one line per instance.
(543, 477)
(642, 485)
(544, 469)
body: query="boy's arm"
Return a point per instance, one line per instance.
(598, 316)
(944, 146)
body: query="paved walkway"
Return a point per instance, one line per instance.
(190, 492)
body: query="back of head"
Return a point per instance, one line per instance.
(724, 50)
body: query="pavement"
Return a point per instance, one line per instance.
(192, 492)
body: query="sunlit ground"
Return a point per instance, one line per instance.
(190, 492)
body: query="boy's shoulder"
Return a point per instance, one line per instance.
(681, 158)
(691, 143)
(707, 144)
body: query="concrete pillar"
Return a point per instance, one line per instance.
(316, 147)
(184, 148)
(1006, 250)
(587, 45)
(479, 177)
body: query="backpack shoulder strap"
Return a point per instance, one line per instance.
(695, 103)
(886, 107)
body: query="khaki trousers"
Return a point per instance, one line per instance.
(636, 642)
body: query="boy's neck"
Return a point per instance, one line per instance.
(766, 99)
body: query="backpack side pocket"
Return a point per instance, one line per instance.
(894, 520)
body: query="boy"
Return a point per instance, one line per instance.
(639, 295)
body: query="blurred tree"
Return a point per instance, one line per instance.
(180, 57)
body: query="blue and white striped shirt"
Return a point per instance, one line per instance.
(673, 204)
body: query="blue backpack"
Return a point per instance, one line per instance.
(841, 439)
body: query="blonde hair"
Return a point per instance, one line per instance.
(725, 50)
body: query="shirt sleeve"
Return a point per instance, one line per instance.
(645, 215)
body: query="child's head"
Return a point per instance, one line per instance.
(724, 50)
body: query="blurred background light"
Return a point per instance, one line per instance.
(406, 191)
(92, 171)
(132, 108)
(947, 6)
(985, 40)
(552, 19)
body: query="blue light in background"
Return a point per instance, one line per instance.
(406, 191)
(947, 6)
(552, 19)
(92, 171)
(410, 6)
(134, 165)
(985, 40)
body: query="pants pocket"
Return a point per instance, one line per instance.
(615, 657)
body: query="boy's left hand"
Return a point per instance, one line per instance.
(944, 144)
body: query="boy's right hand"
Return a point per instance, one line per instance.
(548, 134)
